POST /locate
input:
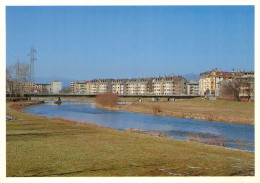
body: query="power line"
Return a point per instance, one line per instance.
(15, 57)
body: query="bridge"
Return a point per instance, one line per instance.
(172, 97)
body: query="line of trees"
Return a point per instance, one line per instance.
(15, 75)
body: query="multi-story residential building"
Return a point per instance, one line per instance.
(104, 85)
(144, 86)
(158, 86)
(79, 87)
(169, 85)
(247, 87)
(139, 86)
(97, 86)
(209, 82)
(28, 87)
(56, 87)
(180, 85)
(32, 87)
(93, 86)
(43, 88)
(72, 87)
(192, 88)
(119, 86)
(20, 87)
(132, 86)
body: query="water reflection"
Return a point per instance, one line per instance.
(176, 128)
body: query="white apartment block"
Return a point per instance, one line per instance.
(56, 87)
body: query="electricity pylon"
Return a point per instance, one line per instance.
(33, 51)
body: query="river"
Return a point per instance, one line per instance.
(236, 136)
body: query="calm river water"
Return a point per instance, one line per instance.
(235, 135)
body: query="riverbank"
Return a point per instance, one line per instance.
(198, 108)
(38, 146)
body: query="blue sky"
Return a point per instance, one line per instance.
(87, 42)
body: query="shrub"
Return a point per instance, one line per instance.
(16, 106)
(182, 115)
(157, 109)
(107, 99)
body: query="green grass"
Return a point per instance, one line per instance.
(44, 147)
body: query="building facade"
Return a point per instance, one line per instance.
(98, 86)
(193, 88)
(210, 82)
(119, 86)
(139, 86)
(56, 87)
(169, 85)
(247, 87)
(43, 88)
(80, 87)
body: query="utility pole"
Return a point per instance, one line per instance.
(32, 59)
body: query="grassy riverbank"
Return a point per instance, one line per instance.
(202, 109)
(38, 146)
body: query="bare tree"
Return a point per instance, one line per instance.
(10, 79)
(15, 75)
(230, 89)
(66, 89)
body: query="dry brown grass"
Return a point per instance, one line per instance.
(157, 109)
(107, 99)
(225, 111)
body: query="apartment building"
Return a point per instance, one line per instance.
(32, 87)
(80, 87)
(97, 86)
(72, 87)
(49, 88)
(93, 86)
(247, 87)
(180, 85)
(144, 86)
(139, 86)
(132, 87)
(56, 87)
(43, 88)
(20, 87)
(104, 85)
(166, 85)
(118, 86)
(169, 85)
(192, 88)
(209, 82)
